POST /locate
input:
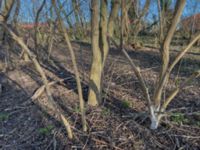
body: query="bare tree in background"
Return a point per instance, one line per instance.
(136, 16)
(113, 16)
(79, 18)
(37, 32)
(5, 13)
(165, 17)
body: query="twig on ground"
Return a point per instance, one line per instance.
(40, 90)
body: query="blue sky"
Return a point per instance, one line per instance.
(27, 8)
(191, 7)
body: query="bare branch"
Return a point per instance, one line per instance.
(137, 73)
(40, 90)
(163, 77)
(44, 78)
(181, 86)
(78, 82)
(182, 53)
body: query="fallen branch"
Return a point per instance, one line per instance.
(41, 89)
(43, 76)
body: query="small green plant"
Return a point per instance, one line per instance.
(105, 112)
(46, 130)
(126, 104)
(198, 123)
(4, 116)
(179, 118)
(77, 109)
(177, 82)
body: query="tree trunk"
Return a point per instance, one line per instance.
(155, 118)
(50, 38)
(103, 41)
(94, 96)
(100, 46)
(165, 51)
(6, 7)
(113, 16)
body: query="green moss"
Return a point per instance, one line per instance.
(46, 130)
(105, 111)
(126, 104)
(179, 118)
(198, 124)
(4, 116)
(77, 109)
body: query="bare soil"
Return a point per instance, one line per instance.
(119, 123)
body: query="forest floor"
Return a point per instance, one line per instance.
(119, 123)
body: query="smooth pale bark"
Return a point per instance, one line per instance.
(94, 96)
(113, 15)
(51, 33)
(164, 17)
(157, 111)
(161, 34)
(101, 31)
(163, 77)
(162, 107)
(50, 40)
(103, 41)
(165, 51)
(125, 19)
